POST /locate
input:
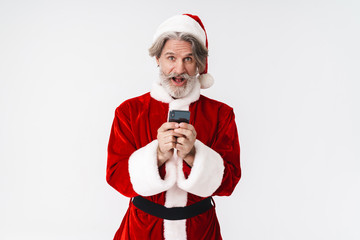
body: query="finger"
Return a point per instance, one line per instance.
(167, 126)
(186, 142)
(186, 132)
(168, 133)
(187, 126)
(182, 149)
(184, 145)
(167, 140)
(167, 147)
(181, 140)
(179, 147)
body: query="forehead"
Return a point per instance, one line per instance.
(179, 47)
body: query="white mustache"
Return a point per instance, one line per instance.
(177, 92)
(175, 75)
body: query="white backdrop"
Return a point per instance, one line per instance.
(290, 70)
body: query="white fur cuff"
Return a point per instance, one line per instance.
(206, 174)
(144, 172)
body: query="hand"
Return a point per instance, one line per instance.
(167, 141)
(185, 142)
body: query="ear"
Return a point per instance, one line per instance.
(157, 61)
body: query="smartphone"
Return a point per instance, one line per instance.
(179, 116)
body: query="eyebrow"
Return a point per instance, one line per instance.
(171, 53)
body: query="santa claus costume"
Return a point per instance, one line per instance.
(133, 170)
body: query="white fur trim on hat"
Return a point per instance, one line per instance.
(206, 80)
(181, 23)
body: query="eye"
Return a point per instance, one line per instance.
(171, 58)
(188, 59)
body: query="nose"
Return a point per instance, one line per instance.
(179, 67)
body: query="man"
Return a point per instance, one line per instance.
(170, 170)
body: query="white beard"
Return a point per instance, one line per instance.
(175, 91)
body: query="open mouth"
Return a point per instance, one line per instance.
(178, 81)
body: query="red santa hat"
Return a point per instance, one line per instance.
(189, 24)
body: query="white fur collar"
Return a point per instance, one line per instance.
(159, 93)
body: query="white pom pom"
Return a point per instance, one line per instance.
(206, 80)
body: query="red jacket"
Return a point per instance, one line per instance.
(132, 164)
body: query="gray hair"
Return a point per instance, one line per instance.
(199, 51)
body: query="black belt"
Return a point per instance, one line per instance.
(174, 213)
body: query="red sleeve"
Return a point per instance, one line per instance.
(216, 167)
(227, 145)
(121, 146)
(133, 170)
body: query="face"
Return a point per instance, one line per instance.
(178, 68)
